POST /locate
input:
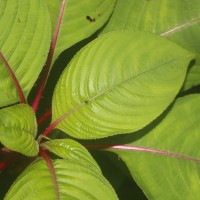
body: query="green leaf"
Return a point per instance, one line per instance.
(179, 21)
(165, 161)
(75, 182)
(18, 128)
(118, 84)
(74, 25)
(192, 78)
(24, 41)
(72, 150)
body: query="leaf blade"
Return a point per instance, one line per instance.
(23, 45)
(109, 91)
(72, 150)
(18, 128)
(177, 21)
(71, 179)
(74, 25)
(172, 170)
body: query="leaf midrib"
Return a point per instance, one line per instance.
(85, 102)
(154, 151)
(180, 27)
(17, 129)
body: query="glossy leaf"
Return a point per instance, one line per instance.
(179, 21)
(18, 128)
(24, 42)
(72, 150)
(75, 181)
(165, 161)
(118, 84)
(80, 20)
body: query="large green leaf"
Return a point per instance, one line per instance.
(179, 21)
(75, 182)
(18, 128)
(118, 84)
(72, 150)
(74, 25)
(24, 41)
(165, 161)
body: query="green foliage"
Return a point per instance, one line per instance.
(159, 174)
(72, 150)
(75, 17)
(126, 88)
(18, 129)
(177, 21)
(22, 44)
(75, 181)
(99, 102)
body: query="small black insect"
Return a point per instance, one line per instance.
(90, 19)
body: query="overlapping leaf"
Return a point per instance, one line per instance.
(18, 128)
(118, 83)
(165, 161)
(179, 21)
(24, 41)
(80, 20)
(72, 150)
(75, 181)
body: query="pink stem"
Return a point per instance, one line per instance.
(16, 82)
(49, 60)
(55, 123)
(52, 170)
(5, 150)
(142, 149)
(51, 127)
(44, 117)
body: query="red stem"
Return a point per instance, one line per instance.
(52, 170)
(44, 117)
(49, 60)
(4, 164)
(141, 149)
(16, 82)
(55, 123)
(50, 128)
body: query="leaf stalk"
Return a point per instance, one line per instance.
(49, 60)
(14, 78)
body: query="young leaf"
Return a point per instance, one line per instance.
(80, 20)
(118, 84)
(72, 150)
(165, 161)
(75, 181)
(24, 41)
(18, 128)
(179, 21)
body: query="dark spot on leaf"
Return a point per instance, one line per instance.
(18, 20)
(90, 19)
(86, 102)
